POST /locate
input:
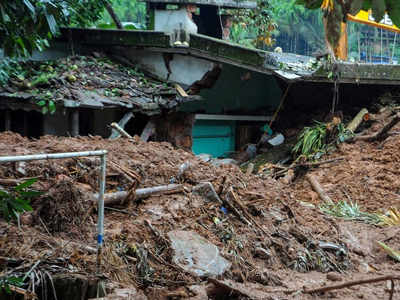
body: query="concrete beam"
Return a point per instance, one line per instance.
(221, 3)
(111, 37)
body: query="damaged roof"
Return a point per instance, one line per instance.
(92, 81)
(290, 67)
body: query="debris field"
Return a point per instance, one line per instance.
(219, 233)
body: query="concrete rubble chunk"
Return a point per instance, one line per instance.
(224, 161)
(204, 157)
(196, 255)
(207, 191)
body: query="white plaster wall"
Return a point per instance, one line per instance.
(168, 20)
(184, 69)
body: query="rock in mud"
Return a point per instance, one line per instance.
(207, 191)
(196, 255)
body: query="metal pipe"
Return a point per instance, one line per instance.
(100, 219)
(103, 158)
(51, 156)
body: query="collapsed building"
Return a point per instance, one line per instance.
(197, 90)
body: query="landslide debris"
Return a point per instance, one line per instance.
(273, 234)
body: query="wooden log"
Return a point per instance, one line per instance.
(318, 188)
(355, 123)
(180, 90)
(125, 119)
(120, 197)
(381, 134)
(120, 130)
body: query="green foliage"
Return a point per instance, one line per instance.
(299, 30)
(47, 105)
(349, 211)
(5, 283)
(10, 68)
(315, 141)
(339, 12)
(254, 27)
(131, 13)
(28, 25)
(17, 200)
(312, 140)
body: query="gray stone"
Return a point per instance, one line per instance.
(207, 191)
(224, 161)
(196, 255)
(204, 157)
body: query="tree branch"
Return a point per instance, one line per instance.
(113, 15)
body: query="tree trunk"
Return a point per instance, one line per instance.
(353, 125)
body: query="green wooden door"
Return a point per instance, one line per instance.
(214, 137)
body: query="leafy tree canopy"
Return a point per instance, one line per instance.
(27, 25)
(336, 11)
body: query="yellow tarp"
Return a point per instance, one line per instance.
(365, 17)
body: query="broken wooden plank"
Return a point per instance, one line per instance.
(180, 90)
(120, 130)
(125, 119)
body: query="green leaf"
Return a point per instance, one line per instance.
(42, 103)
(25, 184)
(51, 21)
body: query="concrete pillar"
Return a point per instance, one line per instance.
(74, 122)
(7, 120)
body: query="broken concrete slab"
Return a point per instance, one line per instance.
(207, 191)
(196, 255)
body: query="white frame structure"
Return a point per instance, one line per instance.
(102, 187)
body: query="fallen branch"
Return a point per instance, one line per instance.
(317, 187)
(244, 209)
(121, 197)
(227, 201)
(381, 134)
(355, 282)
(113, 15)
(27, 294)
(309, 165)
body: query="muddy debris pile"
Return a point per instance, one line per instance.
(210, 232)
